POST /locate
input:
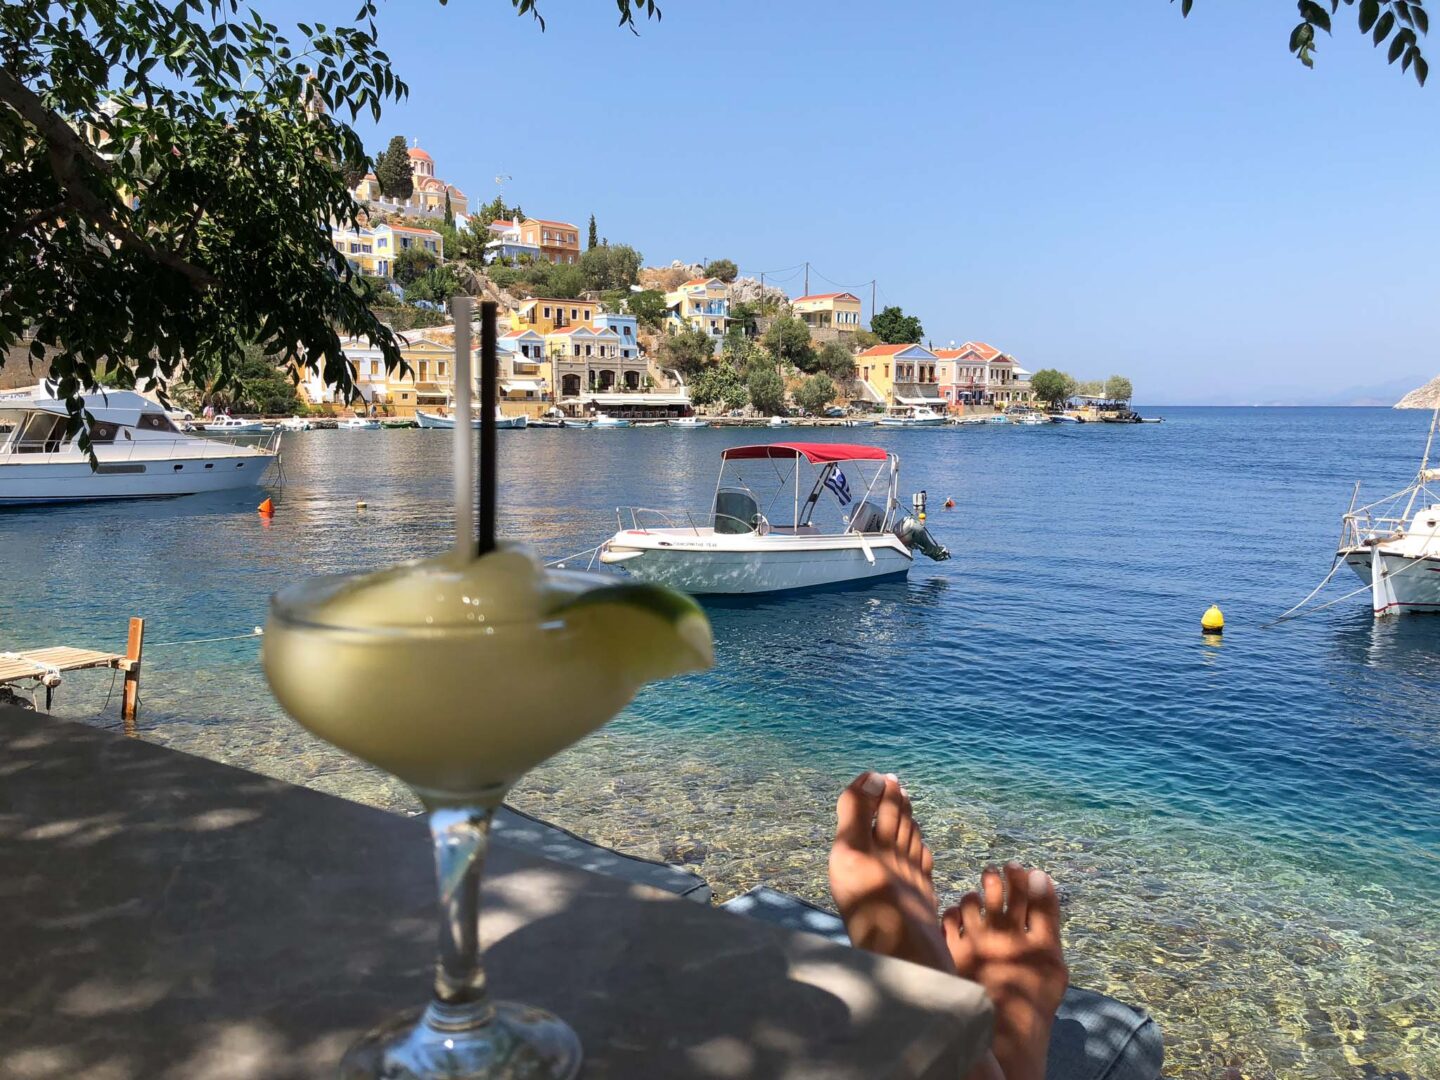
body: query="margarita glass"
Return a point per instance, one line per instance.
(458, 675)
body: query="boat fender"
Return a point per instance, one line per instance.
(913, 534)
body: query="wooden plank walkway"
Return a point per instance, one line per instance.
(37, 663)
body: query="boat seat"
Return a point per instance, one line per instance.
(867, 518)
(736, 512)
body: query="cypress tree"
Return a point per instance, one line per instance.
(392, 169)
(593, 236)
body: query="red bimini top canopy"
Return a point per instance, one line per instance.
(817, 453)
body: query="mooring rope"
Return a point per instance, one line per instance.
(571, 558)
(259, 631)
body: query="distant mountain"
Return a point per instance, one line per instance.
(1426, 397)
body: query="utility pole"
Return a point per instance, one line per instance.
(807, 279)
(872, 301)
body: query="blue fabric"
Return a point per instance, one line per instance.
(1095, 1037)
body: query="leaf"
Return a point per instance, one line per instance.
(1422, 69)
(1396, 48)
(1383, 27)
(1301, 36)
(1422, 19)
(1369, 12)
(1410, 55)
(1312, 12)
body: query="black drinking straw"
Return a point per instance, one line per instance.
(489, 383)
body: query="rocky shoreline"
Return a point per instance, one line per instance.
(1424, 397)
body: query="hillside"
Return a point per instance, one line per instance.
(1426, 397)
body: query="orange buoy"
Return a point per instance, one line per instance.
(949, 504)
(267, 508)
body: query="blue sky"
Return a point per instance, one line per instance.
(1096, 187)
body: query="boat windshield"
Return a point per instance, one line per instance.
(40, 433)
(825, 489)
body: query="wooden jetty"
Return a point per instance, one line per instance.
(44, 667)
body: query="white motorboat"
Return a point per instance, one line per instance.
(687, 422)
(835, 534)
(577, 422)
(1394, 544)
(859, 422)
(1030, 419)
(294, 423)
(781, 421)
(1064, 418)
(444, 420)
(605, 420)
(912, 416)
(139, 452)
(232, 425)
(358, 423)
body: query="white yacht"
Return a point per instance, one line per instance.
(1394, 544)
(687, 422)
(912, 416)
(605, 420)
(139, 452)
(836, 533)
(358, 423)
(231, 425)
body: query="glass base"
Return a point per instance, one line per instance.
(518, 1042)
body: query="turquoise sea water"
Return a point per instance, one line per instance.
(1246, 832)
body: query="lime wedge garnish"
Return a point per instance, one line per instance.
(647, 631)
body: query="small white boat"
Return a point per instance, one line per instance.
(856, 422)
(835, 534)
(781, 421)
(1064, 418)
(912, 416)
(998, 418)
(604, 420)
(1394, 544)
(358, 423)
(139, 452)
(687, 422)
(1030, 419)
(447, 422)
(294, 423)
(577, 422)
(232, 425)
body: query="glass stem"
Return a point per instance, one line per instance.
(461, 837)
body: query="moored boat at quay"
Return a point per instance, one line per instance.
(139, 453)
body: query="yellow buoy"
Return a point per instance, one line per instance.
(361, 505)
(1212, 622)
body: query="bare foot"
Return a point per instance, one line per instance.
(1009, 942)
(880, 874)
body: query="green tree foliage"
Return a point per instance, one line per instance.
(743, 316)
(449, 210)
(411, 263)
(719, 384)
(1398, 21)
(1090, 388)
(353, 170)
(815, 393)
(788, 341)
(894, 327)
(648, 306)
(257, 386)
(724, 269)
(496, 210)
(767, 390)
(566, 282)
(168, 174)
(836, 361)
(436, 285)
(689, 351)
(1053, 387)
(610, 267)
(594, 240)
(392, 170)
(1118, 388)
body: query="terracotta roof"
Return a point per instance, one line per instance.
(827, 296)
(545, 221)
(986, 352)
(519, 333)
(420, 155)
(408, 229)
(888, 350)
(700, 281)
(502, 223)
(947, 354)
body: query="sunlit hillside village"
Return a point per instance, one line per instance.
(586, 327)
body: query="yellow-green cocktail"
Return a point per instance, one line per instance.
(457, 675)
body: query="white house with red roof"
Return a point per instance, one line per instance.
(976, 373)
(829, 314)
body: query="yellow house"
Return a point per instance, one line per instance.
(899, 374)
(545, 316)
(391, 240)
(357, 245)
(703, 303)
(430, 382)
(838, 311)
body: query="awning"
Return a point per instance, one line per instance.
(621, 400)
(534, 385)
(917, 393)
(815, 453)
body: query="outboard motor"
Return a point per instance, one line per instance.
(914, 534)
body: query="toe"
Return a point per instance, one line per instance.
(972, 918)
(960, 947)
(889, 814)
(855, 812)
(1044, 908)
(927, 860)
(1017, 894)
(992, 884)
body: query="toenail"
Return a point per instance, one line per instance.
(1039, 883)
(874, 784)
(892, 776)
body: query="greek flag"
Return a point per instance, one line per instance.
(837, 483)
